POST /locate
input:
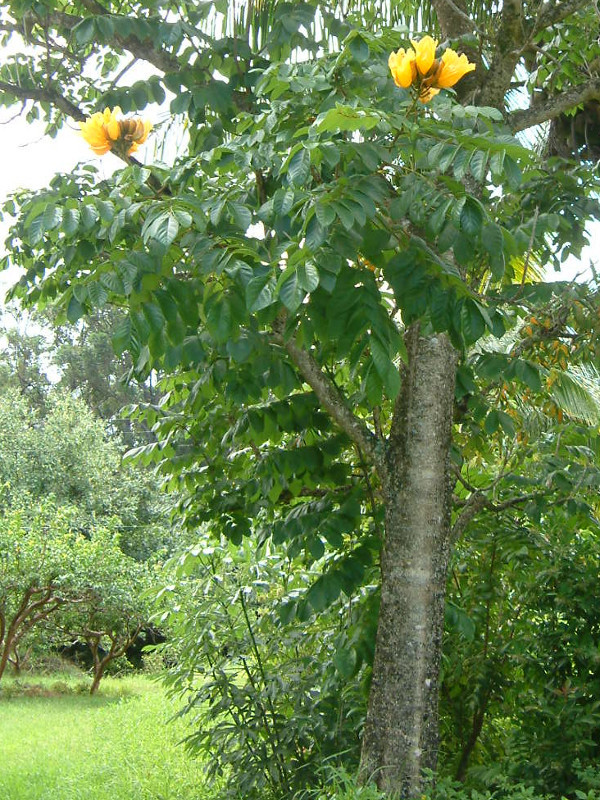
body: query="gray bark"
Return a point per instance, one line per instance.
(401, 730)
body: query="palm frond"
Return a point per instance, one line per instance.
(531, 262)
(250, 20)
(576, 391)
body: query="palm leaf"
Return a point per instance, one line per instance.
(252, 19)
(576, 391)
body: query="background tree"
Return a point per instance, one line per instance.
(38, 571)
(67, 454)
(114, 602)
(315, 370)
(89, 368)
(23, 364)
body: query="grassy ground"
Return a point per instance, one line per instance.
(57, 743)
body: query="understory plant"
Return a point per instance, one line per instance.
(269, 700)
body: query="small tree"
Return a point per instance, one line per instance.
(273, 698)
(113, 604)
(38, 571)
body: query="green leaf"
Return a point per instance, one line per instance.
(325, 214)
(434, 155)
(478, 165)
(359, 49)
(139, 95)
(106, 210)
(447, 157)
(283, 200)
(260, 292)
(154, 315)
(344, 661)
(324, 591)
(85, 31)
(437, 219)
(529, 374)
(346, 118)
(447, 237)
(458, 619)
(242, 216)
(473, 321)
(513, 172)
(463, 249)
(291, 293)
(97, 295)
(492, 422)
(240, 349)
(216, 95)
(218, 320)
(471, 217)
(331, 153)
(156, 90)
(183, 217)
(162, 229)
(74, 310)
(506, 423)
(461, 164)
(308, 276)
(48, 219)
(121, 337)
(113, 282)
(386, 369)
(491, 237)
(89, 216)
(181, 103)
(70, 221)
(299, 167)
(497, 163)
(105, 27)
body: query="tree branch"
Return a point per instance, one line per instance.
(553, 12)
(509, 41)
(556, 105)
(478, 501)
(329, 396)
(142, 50)
(47, 95)
(474, 505)
(453, 18)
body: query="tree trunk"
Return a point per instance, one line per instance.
(4, 656)
(401, 731)
(98, 673)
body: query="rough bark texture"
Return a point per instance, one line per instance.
(401, 731)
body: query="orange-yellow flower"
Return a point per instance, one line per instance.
(403, 67)
(425, 53)
(105, 131)
(454, 67)
(427, 74)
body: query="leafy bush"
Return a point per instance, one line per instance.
(521, 681)
(269, 701)
(338, 784)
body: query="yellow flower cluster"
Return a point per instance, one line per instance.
(106, 131)
(428, 74)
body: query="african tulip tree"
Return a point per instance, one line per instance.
(313, 272)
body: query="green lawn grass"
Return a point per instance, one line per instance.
(118, 745)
